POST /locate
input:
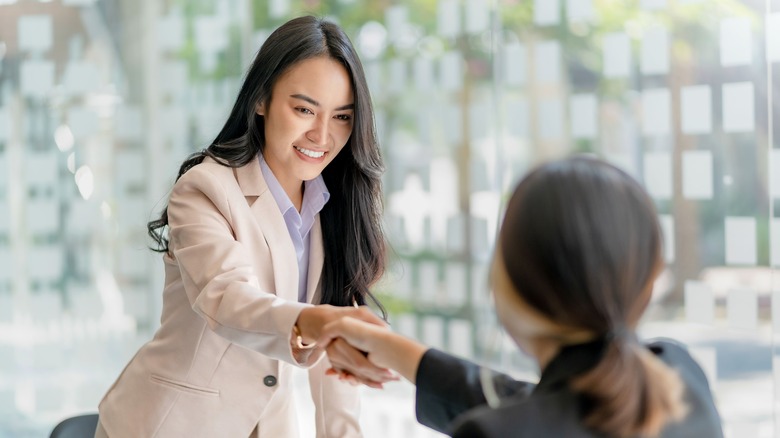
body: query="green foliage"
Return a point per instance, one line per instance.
(393, 304)
(229, 64)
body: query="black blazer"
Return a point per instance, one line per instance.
(450, 398)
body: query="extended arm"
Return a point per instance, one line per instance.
(382, 347)
(221, 282)
(446, 385)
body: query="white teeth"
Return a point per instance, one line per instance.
(309, 153)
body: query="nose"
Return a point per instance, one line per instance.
(318, 134)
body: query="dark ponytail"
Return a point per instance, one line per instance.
(581, 244)
(630, 391)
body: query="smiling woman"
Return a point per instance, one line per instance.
(274, 232)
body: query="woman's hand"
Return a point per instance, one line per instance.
(382, 348)
(311, 320)
(351, 365)
(343, 356)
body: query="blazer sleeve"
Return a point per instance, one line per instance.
(703, 418)
(217, 270)
(336, 404)
(448, 386)
(470, 429)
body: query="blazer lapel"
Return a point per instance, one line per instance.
(273, 228)
(316, 260)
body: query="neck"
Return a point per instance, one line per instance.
(294, 191)
(292, 186)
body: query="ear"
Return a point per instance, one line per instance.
(260, 109)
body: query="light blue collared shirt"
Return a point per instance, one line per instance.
(315, 196)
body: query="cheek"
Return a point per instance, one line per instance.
(273, 128)
(517, 324)
(515, 330)
(341, 138)
(342, 135)
(504, 317)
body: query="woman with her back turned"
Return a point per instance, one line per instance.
(274, 231)
(577, 255)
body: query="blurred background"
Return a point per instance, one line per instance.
(101, 100)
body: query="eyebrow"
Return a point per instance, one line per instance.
(317, 104)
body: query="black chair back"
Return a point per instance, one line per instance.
(82, 426)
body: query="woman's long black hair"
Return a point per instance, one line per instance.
(353, 239)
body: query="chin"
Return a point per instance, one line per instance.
(310, 174)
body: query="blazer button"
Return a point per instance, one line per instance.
(269, 380)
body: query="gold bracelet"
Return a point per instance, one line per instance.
(299, 339)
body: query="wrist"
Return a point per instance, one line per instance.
(308, 325)
(299, 342)
(407, 356)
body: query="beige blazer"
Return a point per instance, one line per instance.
(220, 363)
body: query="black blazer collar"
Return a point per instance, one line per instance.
(571, 361)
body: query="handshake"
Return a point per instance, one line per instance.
(360, 346)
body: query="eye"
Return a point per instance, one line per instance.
(344, 117)
(303, 110)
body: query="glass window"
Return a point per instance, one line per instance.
(100, 101)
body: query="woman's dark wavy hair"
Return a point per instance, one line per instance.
(582, 244)
(353, 239)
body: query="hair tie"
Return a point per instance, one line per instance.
(619, 333)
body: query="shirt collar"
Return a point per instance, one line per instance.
(282, 200)
(315, 196)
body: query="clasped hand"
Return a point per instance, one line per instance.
(355, 351)
(347, 335)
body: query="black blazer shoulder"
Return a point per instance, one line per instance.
(450, 400)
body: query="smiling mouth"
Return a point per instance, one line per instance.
(309, 153)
